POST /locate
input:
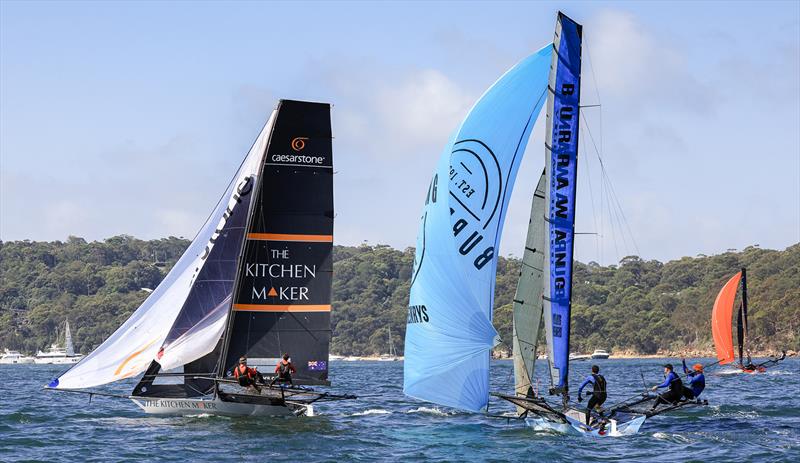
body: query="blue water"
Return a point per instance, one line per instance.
(751, 418)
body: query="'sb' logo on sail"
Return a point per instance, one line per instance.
(298, 143)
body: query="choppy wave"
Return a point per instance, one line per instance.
(430, 411)
(372, 411)
(751, 418)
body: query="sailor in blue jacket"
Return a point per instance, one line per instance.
(675, 385)
(697, 381)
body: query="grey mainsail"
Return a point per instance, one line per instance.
(528, 298)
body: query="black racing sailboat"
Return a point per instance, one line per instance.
(255, 282)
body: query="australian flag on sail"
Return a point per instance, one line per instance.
(563, 162)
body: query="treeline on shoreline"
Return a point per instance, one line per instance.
(637, 306)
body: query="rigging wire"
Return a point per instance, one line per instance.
(610, 194)
(591, 200)
(617, 216)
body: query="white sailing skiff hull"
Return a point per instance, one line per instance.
(194, 407)
(614, 429)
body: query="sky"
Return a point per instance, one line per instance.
(131, 118)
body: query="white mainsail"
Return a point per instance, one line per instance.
(135, 344)
(69, 348)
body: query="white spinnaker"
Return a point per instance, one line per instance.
(131, 348)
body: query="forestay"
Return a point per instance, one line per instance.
(450, 334)
(140, 340)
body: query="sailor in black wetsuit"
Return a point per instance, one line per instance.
(675, 385)
(598, 392)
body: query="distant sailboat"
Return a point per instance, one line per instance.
(722, 326)
(392, 355)
(255, 282)
(60, 355)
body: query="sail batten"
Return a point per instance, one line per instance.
(450, 333)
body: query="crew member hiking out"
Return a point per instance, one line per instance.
(247, 377)
(598, 391)
(675, 385)
(283, 371)
(697, 381)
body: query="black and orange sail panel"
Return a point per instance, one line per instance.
(283, 296)
(722, 320)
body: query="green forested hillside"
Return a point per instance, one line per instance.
(638, 306)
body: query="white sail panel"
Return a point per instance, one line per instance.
(135, 344)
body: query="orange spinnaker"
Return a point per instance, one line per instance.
(722, 320)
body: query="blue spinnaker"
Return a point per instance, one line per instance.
(450, 333)
(561, 164)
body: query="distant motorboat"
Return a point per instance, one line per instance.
(13, 357)
(58, 355)
(579, 357)
(600, 354)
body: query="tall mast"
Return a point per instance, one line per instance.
(561, 166)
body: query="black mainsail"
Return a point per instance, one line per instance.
(282, 297)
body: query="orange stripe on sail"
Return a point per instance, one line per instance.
(722, 320)
(290, 237)
(130, 357)
(281, 308)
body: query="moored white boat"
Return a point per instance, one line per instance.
(13, 357)
(58, 355)
(600, 354)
